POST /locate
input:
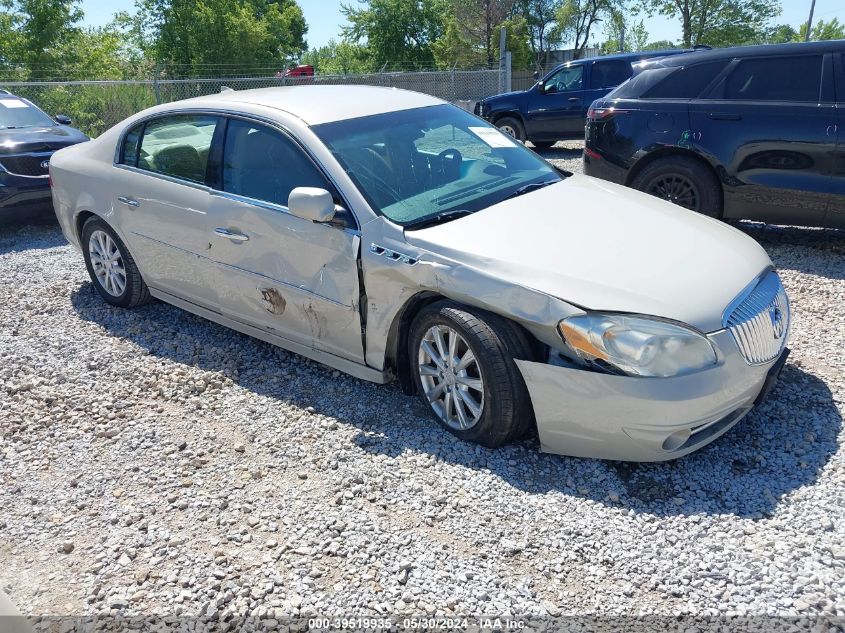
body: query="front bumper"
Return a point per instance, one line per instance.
(24, 193)
(590, 414)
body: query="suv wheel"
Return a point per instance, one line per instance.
(111, 267)
(684, 181)
(512, 127)
(462, 362)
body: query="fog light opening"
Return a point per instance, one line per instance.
(676, 440)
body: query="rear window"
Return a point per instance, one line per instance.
(687, 82)
(639, 83)
(609, 74)
(775, 79)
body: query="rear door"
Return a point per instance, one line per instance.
(836, 208)
(767, 125)
(161, 199)
(556, 107)
(286, 275)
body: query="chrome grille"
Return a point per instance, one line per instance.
(759, 320)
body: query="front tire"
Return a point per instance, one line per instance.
(683, 181)
(462, 362)
(111, 267)
(512, 127)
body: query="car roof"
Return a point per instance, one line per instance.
(756, 51)
(627, 56)
(318, 104)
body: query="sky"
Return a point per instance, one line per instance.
(324, 18)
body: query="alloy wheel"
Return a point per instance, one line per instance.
(675, 188)
(107, 263)
(451, 377)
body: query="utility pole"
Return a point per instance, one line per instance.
(810, 21)
(622, 39)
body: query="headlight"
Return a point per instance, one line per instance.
(635, 345)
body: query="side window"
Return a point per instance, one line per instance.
(178, 145)
(609, 74)
(129, 151)
(263, 164)
(776, 79)
(687, 82)
(571, 78)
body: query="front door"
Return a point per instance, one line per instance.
(161, 200)
(286, 275)
(836, 208)
(556, 106)
(769, 123)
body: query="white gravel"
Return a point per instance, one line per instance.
(152, 463)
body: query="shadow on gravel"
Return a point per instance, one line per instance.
(560, 153)
(808, 250)
(777, 449)
(30, 235)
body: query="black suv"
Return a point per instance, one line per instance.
(754, 132)
(28, 137)
(555, 107)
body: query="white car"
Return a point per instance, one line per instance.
(390, 235)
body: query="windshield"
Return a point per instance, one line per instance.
(432, 162)
(16, 113)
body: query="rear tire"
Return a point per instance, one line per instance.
(512, 127)
(112, 269)
(469, 379)
(683, 181)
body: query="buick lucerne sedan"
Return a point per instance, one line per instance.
(392, 235)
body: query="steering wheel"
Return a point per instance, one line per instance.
(450, 161)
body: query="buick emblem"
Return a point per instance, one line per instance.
(45, 164)
(778, 325)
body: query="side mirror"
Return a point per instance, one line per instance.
(61, 119)
(311, 203)
(536, 75)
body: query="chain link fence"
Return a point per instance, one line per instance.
(95, 106)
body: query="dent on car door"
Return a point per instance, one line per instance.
(765, 123)
(161, 199)
(555, 106)
(287, 275)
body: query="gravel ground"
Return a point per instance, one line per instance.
(154, 463)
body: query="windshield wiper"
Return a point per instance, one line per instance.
(531, 186)
(437, 218)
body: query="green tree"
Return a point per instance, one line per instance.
(717, 22)
(397, 33)
(338, 58)
(620, 30)
(540, 18)
(210, 36)
(830, 30)
(480, 22)
(576, 20)
(33, 34)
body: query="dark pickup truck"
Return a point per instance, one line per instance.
(556, 106)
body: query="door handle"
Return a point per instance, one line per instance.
(130, 201)
(574, 99)
(724, 116)
(230, 235)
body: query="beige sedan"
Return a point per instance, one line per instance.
(391, 235)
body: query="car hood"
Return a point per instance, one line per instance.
(502, 96)
(602, 246)
(39, 139)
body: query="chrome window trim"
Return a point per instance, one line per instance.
(167, 178)
(232, 114)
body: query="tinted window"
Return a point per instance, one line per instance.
(571, 78)
(640, 83)
(178, 146)
(129, 151)
(776, 79)
(687, 82)
(609, 74)
(263, 164)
